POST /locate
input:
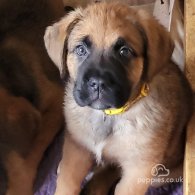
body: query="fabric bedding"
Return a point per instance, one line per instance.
(47, 174)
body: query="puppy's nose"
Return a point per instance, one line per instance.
(95, 83)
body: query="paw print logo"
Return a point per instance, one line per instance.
(159, 170)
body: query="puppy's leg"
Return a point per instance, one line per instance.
(20, 122)
(74, 166)
(135, 180)
(20, 174)
(102, 181)
(51, 122)
(27, 132)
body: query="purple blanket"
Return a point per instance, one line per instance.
(46, 180)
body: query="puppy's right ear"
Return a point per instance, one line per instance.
(56, 37)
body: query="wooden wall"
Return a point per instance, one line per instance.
(189, 168)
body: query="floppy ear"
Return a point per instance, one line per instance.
(56, 37)
(158, 44)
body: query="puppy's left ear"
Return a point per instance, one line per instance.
(57, 35)
(158, 44)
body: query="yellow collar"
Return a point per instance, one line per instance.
(143, 93)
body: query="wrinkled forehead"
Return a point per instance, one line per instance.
(104, 25)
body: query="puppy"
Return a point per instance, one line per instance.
(31, 92)
(126, 102)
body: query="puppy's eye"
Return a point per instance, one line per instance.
(81, 50)
(125, 51)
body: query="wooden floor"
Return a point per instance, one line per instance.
(189, 175)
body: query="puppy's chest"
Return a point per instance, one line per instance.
(113, 137)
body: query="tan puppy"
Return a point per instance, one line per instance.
(31, 92)
(126, 102)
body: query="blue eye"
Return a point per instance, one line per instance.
(125, 51)
(81, 50)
